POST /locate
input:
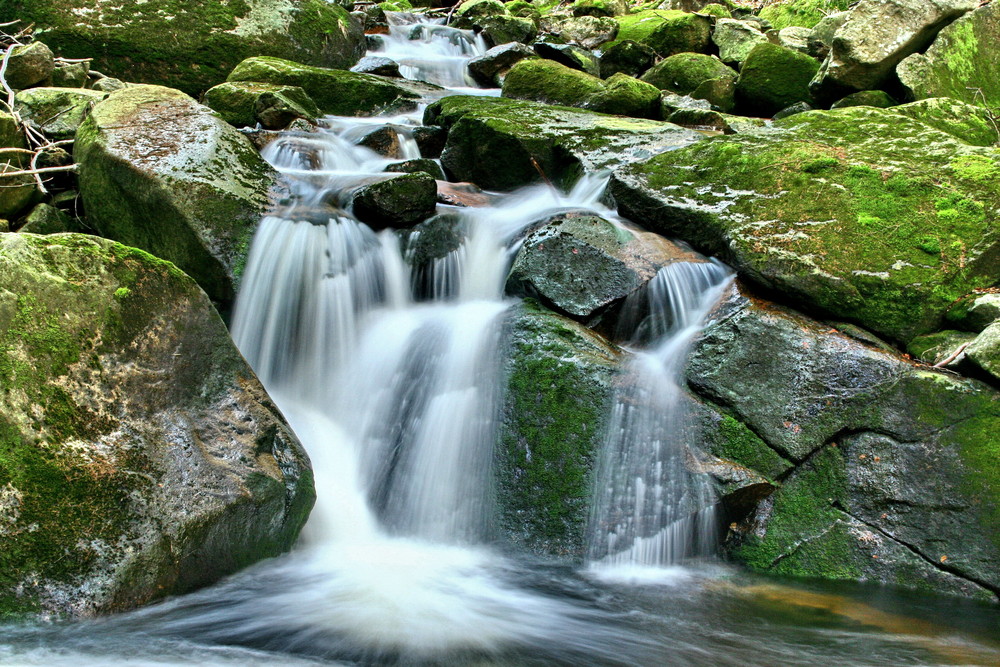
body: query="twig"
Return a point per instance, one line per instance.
(538, 168)
(32, 172)
(953, 356)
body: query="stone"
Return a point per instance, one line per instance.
(736, 39)
(497, 30)
(70, 75)
(377, 65)
(192, 46)
(600, 8)
(430, 140)
(569, 55)
(962, 63)
(163, 173)
(549, 82)
(624, 95)
(588, 32)
(15, 200)
(667, 32)
(684, 73)
(581, 264)
(984, 351)
(335, 92)
(471, 9)
(29, 65)
(709, 119)
(56, 112)
(772, 78)
(804, 13)
(420, 165)
(939, 347)
(491, 68)
(971, 124)
(877, 35)
(792, 109)
(47, 219)
(245, 104)
(975, 311)
(795, 38)
(400, 201)
(627, 57)
(909, 209)
(866, 98)
(384, 140)
(821, 39)
(497, 142)
(143, 457)
(108, 84)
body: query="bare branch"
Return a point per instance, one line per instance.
(33, 172)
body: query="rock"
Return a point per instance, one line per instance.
(56, 112)
(772, 78)
(430, 140)
(161, 172)
(472, 9)
(498, 30)
(464, 195)
(866, 98)
(193, 46)
(569, 55)
(581, 264)
(736, 39)
(29, 65)
(400, 201)
(984, 351)
(702, 119)
(624, 95)
(15, 200)
(910, 202)
(70, 75)
(971, 124)
(108, 84)
(961, 63)
(791, 110)
(491, 68)
(716, 10)
(685, 72)
(384, 140)
(891, 482)
(496, 143)
(142, 458)
(560, 379)
(588, 32)
(627, 57)
(420, 165)
(976, 311)
(938, 347)
(795, 38)
(549, 82)
(805, 13)
(877, 35)
(377, 65)
(600, 8)
(336, 92)
(821, 39)
(244, 104)
(667, 32)
(46, 219)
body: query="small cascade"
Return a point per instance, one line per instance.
(649, 509)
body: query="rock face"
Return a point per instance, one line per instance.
(961, 63)
(878, 34)
(192, 46)
(139, 455)
(495, 143)
(161, 172)
(891, 483)
(860, 213)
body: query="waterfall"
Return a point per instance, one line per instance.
(649, 510)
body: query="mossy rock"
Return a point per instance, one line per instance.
(245, 104)
(570, 55)
(984, 351)
(498, 30)
(47, 219)
(542, 80)
(969, 123)
(400, 201)
(939, 346)
(192, 46)
(29, 65)
(624, 95)
(805, 13)
(866, 98)
(71, 75)
(627, 57)
(962, 62)
(497, 142)
(588, 32)
(736, 39)
(911, 210)
(976, 311)
(336, 92)
(560, 379)
(139, 455)
(666, 32)
(773, 77)
(56, 112)
(599, 7)
(685, 72)
(163, 173)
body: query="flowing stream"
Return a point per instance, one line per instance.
(392, 379)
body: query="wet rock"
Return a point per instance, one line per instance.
(142, 456)
(736, 39)
(961, 63)
(383, 140)
(866, 98)
(244, 104)
(421, 165)
(400, 201)
(501, 144)
(908, 201)
(877, 35)
(377, 65)
(430, 140)
(336, 92)
(627, 57)
(772, 78)
(490, 68)
(968, 123)
(976, 311)
(709, 119)
(569, 55)
(667, 32)
(161, 172)
(464, 194)
(29, 65)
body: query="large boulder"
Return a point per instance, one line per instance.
(502, 144)
(161, 172)
(667, 32)
(860, 213)
(773, 78)
(736, 39)
(400, 201)
(139, 455)
(244, 104)
(878, 34)
(29, 65)
(961, 63)
(192, 46)
(547, 81)
(895, 479)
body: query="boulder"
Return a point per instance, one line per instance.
(15, 200)
(29, 65)
(894, 479)
(942, 347)
(497, 143)
(961, 63)
(141, 456)
(877, 35)
(336, 92)
(984, 351)
(795, 38)
(736, 39)
(698, 75)
(866, 98)
(772, 78)
(56, 112)
(547, 81)
(627, 57)
(400, 201)
(419, 165)
(161, 172)
(377, 65)
(71, 75)
(860, 213)
(966, 122)
(245, 104)
(805, 13)
(498, 30)
(976, 311)
(624, 95)
(192, 46)
(570, 55)
(491, 68)
(588, 32)
(600, 8)
(470, 10)
(667, 32)
(580, 264)
(47, 219)
(559, 384)
(821, 39)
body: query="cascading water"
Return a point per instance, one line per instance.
(649, 509)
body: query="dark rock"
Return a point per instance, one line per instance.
(47, 219)
(626, 57)
(70, 75)
(383, 140)
(569, 55)
(791, 110)
(430, 140)
(377, 65)
(497, 30)
(976, 311)
(422, 165)
(400, 201)
(490, 68)
(773, 78)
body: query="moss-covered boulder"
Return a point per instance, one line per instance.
(971, 124)
(498, 30)
(192, 46)
(860, 212)
(570, 55)
(56, 112)
(490, 69)
(667, 32)
(772, 78)
(245, 104)
(161, 172)
(47, 219)
(805, 13)
(588, 32)
(627, 57)
(599, 7)
(559, 387)
(139, 455)
(400, 201)
(962, 62)
(877, 35)
(866, 98)
(684, 73)
(736, 39)
(29, 65)
(71, 74)
(975, 311)
(501, 144)
(984, 351)
(624, 95)
(547, 81)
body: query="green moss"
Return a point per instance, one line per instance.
(684, 72)
(980, 450)
(543, 80)
(773, 78)
(804, 13)
(743, 446)
(667, 32)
